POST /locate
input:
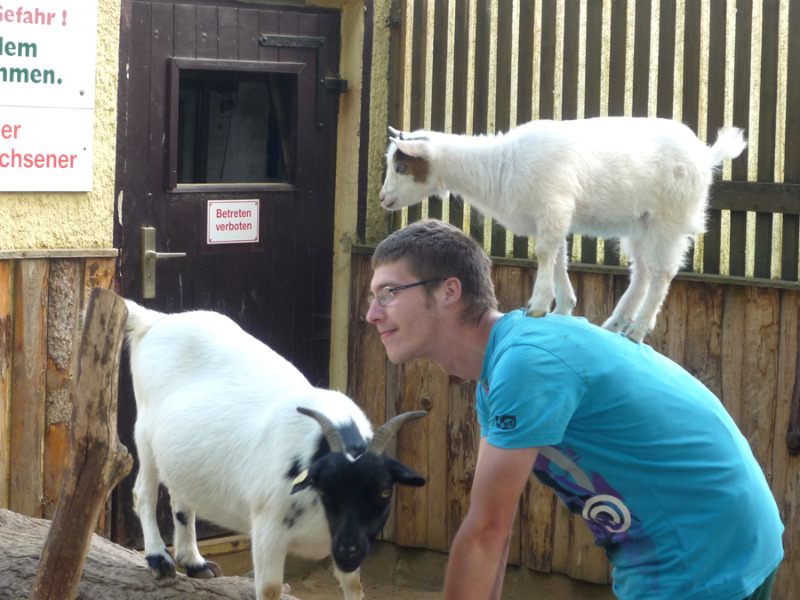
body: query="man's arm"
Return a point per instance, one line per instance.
(480, 545)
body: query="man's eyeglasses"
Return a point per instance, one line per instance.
(386, 295)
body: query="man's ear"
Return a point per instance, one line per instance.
(452, 288)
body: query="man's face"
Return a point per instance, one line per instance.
(408, 324)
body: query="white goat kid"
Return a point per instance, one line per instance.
(219, 423)
(644, 181)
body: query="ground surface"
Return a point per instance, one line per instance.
(394, 573)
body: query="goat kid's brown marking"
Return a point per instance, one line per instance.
(418, 168)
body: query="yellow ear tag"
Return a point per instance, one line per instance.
(300, 478)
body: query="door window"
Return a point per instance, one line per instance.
(231, 126)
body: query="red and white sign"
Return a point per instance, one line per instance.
(233, 221)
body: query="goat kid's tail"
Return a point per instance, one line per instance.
(730, 144)
(140, 320)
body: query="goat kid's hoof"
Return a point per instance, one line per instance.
(207, 570)
(161, 565)
(536, 314)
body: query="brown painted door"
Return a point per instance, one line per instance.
(228, 101)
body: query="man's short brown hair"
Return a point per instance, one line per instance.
(434, 249)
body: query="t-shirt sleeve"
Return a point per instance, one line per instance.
(531, 397)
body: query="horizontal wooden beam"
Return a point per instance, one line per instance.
(756, 196)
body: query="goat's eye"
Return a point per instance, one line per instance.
(387, 493)
(400, 167)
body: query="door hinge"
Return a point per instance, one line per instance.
(313, 43)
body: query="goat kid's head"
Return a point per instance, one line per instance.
(356, 494)
(409, 179)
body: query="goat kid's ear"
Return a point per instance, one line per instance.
(414, 148)
(402, 474)
(395, 133)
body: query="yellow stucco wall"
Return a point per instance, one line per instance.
(45, 221)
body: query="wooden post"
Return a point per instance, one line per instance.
(98, 461)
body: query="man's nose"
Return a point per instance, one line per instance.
(375, 312)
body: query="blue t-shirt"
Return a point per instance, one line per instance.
(641, 449)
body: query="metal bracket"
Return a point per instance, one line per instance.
(313, 43)
(149, 258)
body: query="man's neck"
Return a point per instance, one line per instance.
(461, 353)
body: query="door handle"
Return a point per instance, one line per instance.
(149, 258)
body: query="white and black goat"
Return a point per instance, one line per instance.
(642, 180)
(223, 422)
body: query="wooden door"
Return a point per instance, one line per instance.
(228, 101)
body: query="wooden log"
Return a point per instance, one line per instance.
(98, 461)
(110, 572)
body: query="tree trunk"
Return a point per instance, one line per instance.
(110, 572)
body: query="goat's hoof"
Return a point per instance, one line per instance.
(286, 589)
(161, 565)
(207, 570)
(537, 314)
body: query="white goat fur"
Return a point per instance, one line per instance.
(642, 180)
(217, 424)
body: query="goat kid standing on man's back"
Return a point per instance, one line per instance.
(223, 422)
(642, 180)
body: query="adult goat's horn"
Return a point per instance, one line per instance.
(330, 430)
(388, 430)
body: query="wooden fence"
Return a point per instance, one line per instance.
(740, 341)
(481, 66)
(42, 295)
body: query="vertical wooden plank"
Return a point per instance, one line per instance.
(461, 44)
(228, 32)
(26, 411)
(595, 294)
(750, 334)
(547, 60)
(502, 106)
(525, 60)
(411, 520)
(439, 85)
(666, 59)
(791, 223)
(63, 311)
(571, 60)
(785, 475)
(463, 439)
(6, 353)
(768, 102)
(416, 80)
(715, 116)
(741, 118)
(436, 423)
(366, 377)
(617, 62)
(207, 36)
(691, 65)
(185, 30)
(593, 58)
(641, 59)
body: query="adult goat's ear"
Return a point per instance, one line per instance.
(403, 475)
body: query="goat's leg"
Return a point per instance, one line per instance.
(269, 558)
(641, 275)
(565, 295)
(666, 257)
(187, 554)
(145, 497)
(350, 582)
(544, 287)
